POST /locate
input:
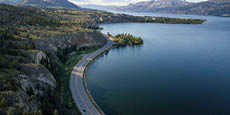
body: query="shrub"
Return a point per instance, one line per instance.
(3, 102)
(127, 39)
(10, 111)
(38, 112)
(55, 112)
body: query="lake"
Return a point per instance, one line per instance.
(179, 70)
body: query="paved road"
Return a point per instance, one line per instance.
(81, 99)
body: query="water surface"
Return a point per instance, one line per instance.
(179, 70)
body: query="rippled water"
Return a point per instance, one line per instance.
(179, 70)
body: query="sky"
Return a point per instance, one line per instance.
(114, 2)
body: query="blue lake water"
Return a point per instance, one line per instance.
(179, 70)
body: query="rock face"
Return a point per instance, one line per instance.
(35, 77)
(53, 44)
(22, 99)
(48, 3)
(36, 56)
(65, 43)
(37, 73)
(39, 55)
(212, 7)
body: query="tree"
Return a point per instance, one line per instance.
(12, 84)
(55, 112)
(38, 112)
(10, 111)
(20, 110)
(49, 67)
(30, 91)
(3, 102)
(16, 64)
(38, 86)
(108, 34)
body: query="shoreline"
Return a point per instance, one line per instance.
(81, 95)
(85, 84)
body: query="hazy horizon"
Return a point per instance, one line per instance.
(115, 2)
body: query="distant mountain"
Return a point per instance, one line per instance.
(100, 7)
(153, 6)
(219, 0)
(10, 1)
(212, 7)
(216, 8)
(48, 3)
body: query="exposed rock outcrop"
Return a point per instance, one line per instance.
(20, 98)
(36, 73)
(62, 42)
(36, 56)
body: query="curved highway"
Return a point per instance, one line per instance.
(85, 103)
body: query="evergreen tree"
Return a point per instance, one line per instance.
(3, 102)
(38, 112)
(55, 112)
(10, 111)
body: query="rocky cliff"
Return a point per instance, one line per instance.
(32, 70)
(36, 73)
